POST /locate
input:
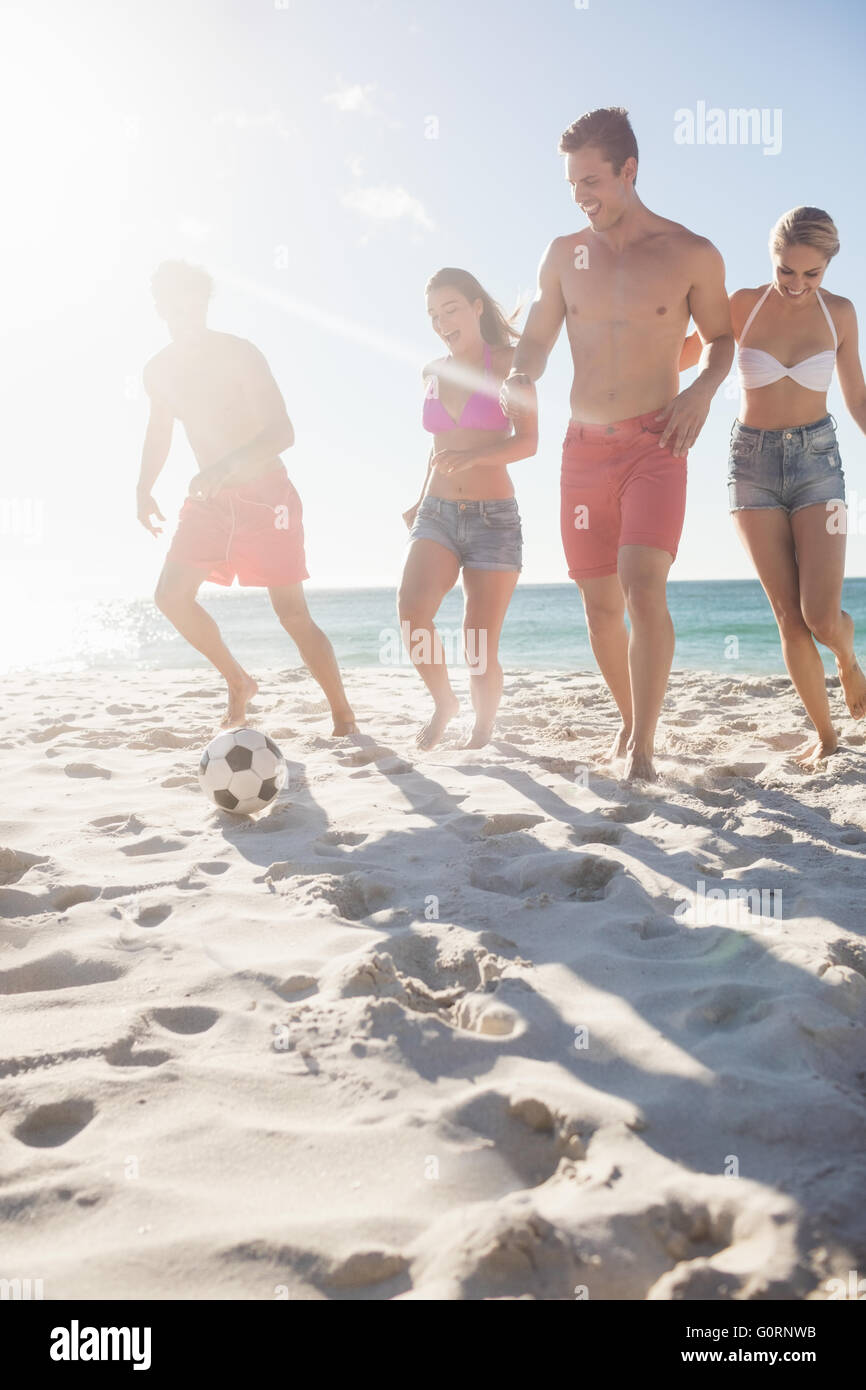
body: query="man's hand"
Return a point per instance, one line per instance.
(517, 397)
(451, 461)
(146, 509)
(686, 416)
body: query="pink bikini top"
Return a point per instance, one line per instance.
(481, 412)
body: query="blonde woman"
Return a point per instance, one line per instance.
(785, 480)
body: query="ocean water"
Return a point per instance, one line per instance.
(721, 626)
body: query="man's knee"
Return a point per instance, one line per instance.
(169, 597)
(645, 593)
(602, 616)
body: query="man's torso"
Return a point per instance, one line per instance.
(204, 384)
(626, 314)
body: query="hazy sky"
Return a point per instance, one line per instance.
(286, 147)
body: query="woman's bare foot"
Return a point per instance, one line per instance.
(639, 767)
(480, 736)
(240, 694)
(854, 688)
(816, 750)
(435, 727)
(619, 747)
(344, 725)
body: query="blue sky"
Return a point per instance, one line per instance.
(286, 149)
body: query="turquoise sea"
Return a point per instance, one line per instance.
(722, 626)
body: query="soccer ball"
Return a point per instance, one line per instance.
(242, 770)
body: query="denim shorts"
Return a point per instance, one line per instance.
(784, 468)
(483, 535)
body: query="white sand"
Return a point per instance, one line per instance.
(239, 1061)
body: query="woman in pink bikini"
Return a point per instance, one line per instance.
(467, 514)
(785, 480)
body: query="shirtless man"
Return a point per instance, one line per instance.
(242, 515)
(626, 286)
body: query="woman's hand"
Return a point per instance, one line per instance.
(409, 517)
(451, 461)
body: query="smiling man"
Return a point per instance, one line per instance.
(626, 287)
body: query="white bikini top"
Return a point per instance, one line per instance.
(758, 368)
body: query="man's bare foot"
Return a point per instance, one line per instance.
(854, 688)
(639, 767)
(813, 753)
(240, 694)
(435, 727)
(619, 747)
(480, 736)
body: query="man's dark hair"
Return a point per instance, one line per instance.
(179, 277)
(608, 129)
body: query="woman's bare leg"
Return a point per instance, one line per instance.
(488, 594)
(431, 570)
(769, 541)
(821, 562)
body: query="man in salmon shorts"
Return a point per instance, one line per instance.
(242, 518)
(626, 287)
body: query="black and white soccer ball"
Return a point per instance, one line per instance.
(242, 770)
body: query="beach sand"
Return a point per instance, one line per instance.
(462, 1025)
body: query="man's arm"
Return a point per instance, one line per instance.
(537, 340)
(157, 443)
(266, 404)
(710, 309)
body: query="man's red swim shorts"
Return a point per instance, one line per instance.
(619, 488)
(254, 532)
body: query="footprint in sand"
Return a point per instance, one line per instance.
(86, 770)
(508, 822)
(127, 824)
(52, 1125)
(597, 835)
(187, 1018)
(61, 970)
(153, 914)
(14, 864)
(629, 814)
(350, 838)
(123, 1054)
(69, 895)
(53, 730)
(562, 875)
(179, 781)
(783, 742)
(157, 844)
(524, 1132)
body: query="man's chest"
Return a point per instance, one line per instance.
(634, 287)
